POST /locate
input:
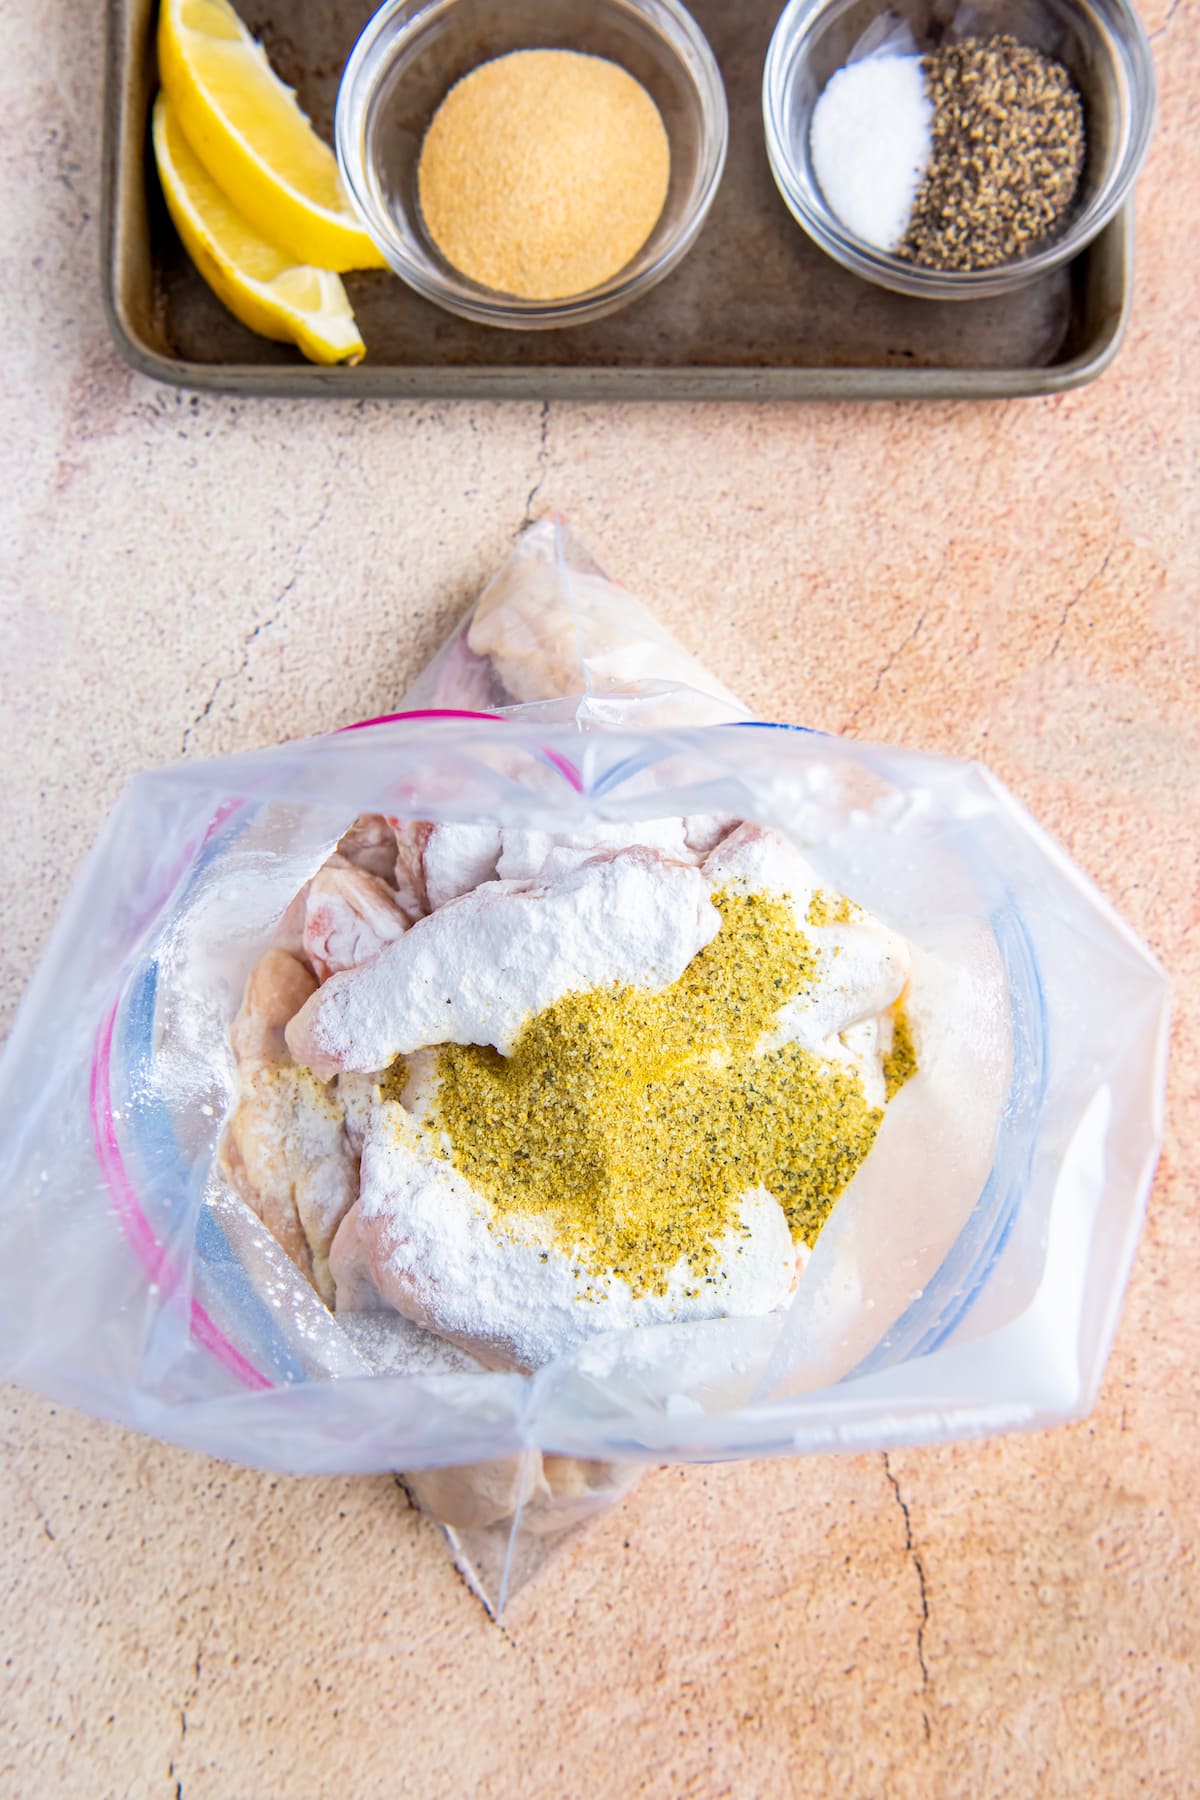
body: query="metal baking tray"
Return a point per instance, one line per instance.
(755, 312)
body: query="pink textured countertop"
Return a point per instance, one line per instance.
(1015, 582)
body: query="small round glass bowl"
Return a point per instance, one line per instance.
(409, 57)
(1101, 44)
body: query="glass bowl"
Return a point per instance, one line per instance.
(411, 54)
(1101, 44)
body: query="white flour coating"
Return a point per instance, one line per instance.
(458, 858)
(756, 860)
(349, 915)
(526, 854)
(474, 971)
(421, 1083)
(427, 1244)
(393, 1345)
(863, 966)
(864, 1045)
(357, 1093)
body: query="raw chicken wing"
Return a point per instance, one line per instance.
(551, 631)
(286, 1148)
(370, 844)
(349, 915)
(411, 897)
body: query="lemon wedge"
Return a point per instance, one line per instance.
(266, 289)
(247, 129)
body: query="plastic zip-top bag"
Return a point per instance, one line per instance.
(209, 1239)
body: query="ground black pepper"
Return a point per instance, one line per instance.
(1008, 151)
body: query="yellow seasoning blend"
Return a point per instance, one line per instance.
(543, 173)
(635, 1121)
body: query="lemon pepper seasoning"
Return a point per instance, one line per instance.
(901, 1060)
(636, 1122)
(830, 909)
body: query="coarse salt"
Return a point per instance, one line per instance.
(871, 139)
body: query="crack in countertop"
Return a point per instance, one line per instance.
(542, 464)
(264, 624)
(1073, 600)
(885, 666)
(922, 1587)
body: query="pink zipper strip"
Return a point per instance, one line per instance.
(566, 768)
(424, 712)
(134, 1222)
